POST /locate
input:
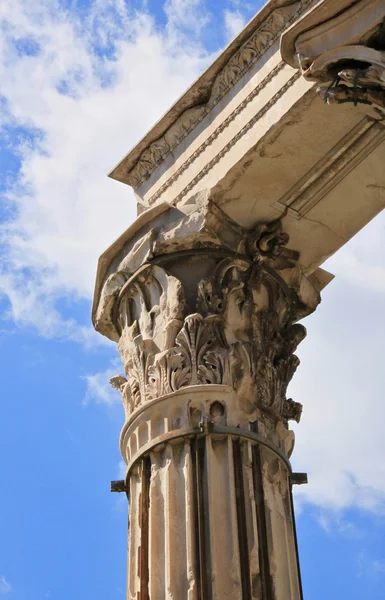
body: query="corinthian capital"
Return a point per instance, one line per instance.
(193, 299)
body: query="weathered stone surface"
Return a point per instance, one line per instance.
(205, 315)
(245, 188)
(272, 122)
(237, 338)
(341, 43)
(223, 312)
(252, 43)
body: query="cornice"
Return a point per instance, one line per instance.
(261, 33)
(210, 164)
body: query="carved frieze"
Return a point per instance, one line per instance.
(259, 42)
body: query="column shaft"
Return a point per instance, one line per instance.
(213, 525)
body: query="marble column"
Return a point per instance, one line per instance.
(206, 315)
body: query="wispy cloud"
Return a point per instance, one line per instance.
(77, 93)
(340, 382)
(335, 523)
(186, 16)
(369, 567)
(99, 390)
(234, 22)
(5, 586)
(379, 566)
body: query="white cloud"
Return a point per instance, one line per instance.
(66, 211)
(99, 389)
(190, 15)
(33, 304)
(119, 71)
(234, 23)
(324, 522)
(334, 522)
(122, 469)
(369, 567)
(340, 382)
(379, 566)
(5, 586)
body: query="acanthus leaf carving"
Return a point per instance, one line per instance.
(118, 382)
(136, 369)
(243, 333)
(198, 357)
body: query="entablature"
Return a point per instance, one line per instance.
(254, 137)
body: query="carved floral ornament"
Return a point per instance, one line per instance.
(242, 334)
(341, 45)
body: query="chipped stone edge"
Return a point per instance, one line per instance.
(107, 256)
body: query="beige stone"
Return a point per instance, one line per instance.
(344, 44)
(245, 187)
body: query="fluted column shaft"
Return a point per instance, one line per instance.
(210, 512)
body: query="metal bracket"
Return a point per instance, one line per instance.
(298, 478)
(206, 426)
(119, 486)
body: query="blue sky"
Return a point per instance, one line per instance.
(80, 84)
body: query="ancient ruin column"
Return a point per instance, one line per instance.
(206, 315)
(245, 187)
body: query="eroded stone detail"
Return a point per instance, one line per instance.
(360, 86)
(215, 160)
(358, 76)
(342, 45)
(243, 334)
(292, 411)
